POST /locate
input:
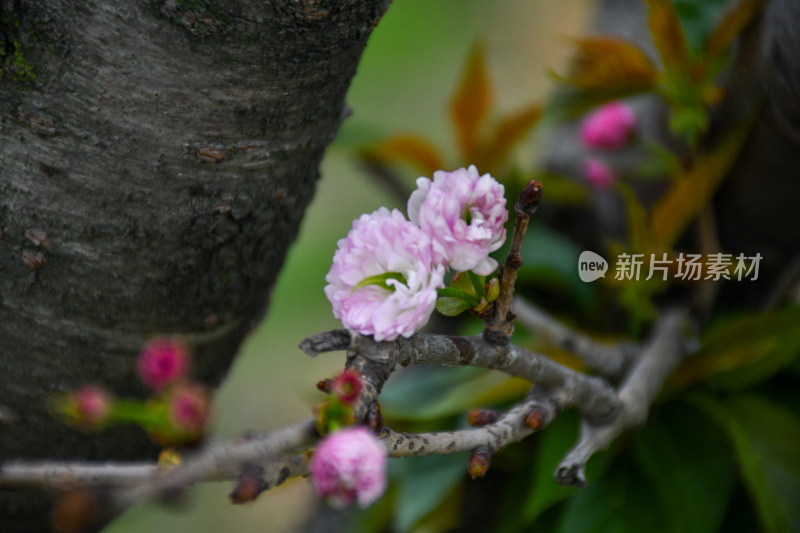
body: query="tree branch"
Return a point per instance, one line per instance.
(610, 360)
(227, 460)
(511, 427)
(658, 359)
(500, 325)
(263, 461)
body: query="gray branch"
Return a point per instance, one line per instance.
(610, 360)
(658, 359)
(511, 427)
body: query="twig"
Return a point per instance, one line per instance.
(595, 398)
(375, 361)
(610, 360)
(500, 324)
(658, 359)
(511, 427)
(330, 341)
(226, 461)
(54, 474)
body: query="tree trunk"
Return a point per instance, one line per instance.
(156, 159)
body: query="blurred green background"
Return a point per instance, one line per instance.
(408, 72)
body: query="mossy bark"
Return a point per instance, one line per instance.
(154, 167)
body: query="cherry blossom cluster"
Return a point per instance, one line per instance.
(386, 272)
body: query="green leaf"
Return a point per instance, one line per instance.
(462, 282)
(423, 483)
(689, 121)
(689, 462)
(765, 439)
(554, 443)
(550, 261)
(621, 501)
(380, 280)
(698, 19)
(450, 306)
(743, 351)
(431, 393)
(452, 292)
(478, 283)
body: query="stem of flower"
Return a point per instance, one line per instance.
(500, 325)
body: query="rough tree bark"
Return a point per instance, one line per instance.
(156, 158)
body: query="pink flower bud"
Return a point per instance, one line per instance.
(597, 173)
(92, 405)
(609, 127)
(347, 386)
(162, 362)
(188, 407)
(349, 465)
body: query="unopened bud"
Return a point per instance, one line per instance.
(347, 386)
(534, 420)
(479, 462)
(189, 407)
(482, 417)
(88, 407)
(325, 385)
(163, 361)
(248, 487)
(492, 289)
(374, 418)
(529, 198)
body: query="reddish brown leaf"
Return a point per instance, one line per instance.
(691, 192)
(472, 101)
(407, 148)
(668, 35)
(507, 134)
(609, 63)
(732, 25)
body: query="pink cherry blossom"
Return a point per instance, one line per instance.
(349, 465)
(381, 243)
(597, 173)
(609, 127)
(464, 213)
(162, 362)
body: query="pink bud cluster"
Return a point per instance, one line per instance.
(176, 413)
(609, 127)
(457, 220)
(349, 465)
(163, 366)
